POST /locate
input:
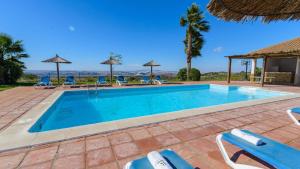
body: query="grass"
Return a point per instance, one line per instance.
(6, 87)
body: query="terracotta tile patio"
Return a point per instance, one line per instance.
(193, 138)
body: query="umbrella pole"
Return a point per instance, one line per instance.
(151, 74)
(111, 75)
(57, 71)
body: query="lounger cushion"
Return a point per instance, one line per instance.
(174, 160)
(276, 154)
(296, 110)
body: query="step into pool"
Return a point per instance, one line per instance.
(76, 108)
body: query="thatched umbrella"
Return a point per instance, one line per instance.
(244, 10)
(151, 64)
(111, 62)
(56, 59)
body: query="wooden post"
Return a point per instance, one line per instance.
(229, 70)
(57, 71)
(151, 75)
(264, 71)
(111, 75)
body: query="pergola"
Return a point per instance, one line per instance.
(287, 49)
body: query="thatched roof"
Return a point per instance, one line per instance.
(111, 62)
(57, 59)
(245, 10)
(151, 63)
(284, 49)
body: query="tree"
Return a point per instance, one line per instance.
(195, 74)
(11, 53)
(195, 25)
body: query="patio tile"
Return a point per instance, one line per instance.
(123, 162)
(253, 129)
(200, 121)
(202, 145)
(157, 130)
(171, 126)
(199, 162)
(71, 148)
(213, 128)
(99, 157)
(188, 123)
(126, 150)
(11, 161)
(295, 143)
(139, 134)
(167, 139)
(200, 132)
(184, 135)
(186, 153)
(276, 137)
(148, 144)
(39, 156)
(74, 162)
(119, 138)
(112, 165)
(45, 165)
(96, 143)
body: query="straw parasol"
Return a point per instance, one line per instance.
(111, 62)
(151, 64)
(245, 10)
(56, 59)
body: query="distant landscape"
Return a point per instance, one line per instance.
(32, 76)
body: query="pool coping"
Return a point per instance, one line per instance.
(17, 135)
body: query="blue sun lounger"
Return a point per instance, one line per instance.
(146, 80)
(158, 80)
(121, 80)
(290, 113)
(101, 80)
(171, 157)
(278, 155)
(70, 80)
(44, 81)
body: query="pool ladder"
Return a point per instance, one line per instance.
(90, 89)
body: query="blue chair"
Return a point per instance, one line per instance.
(170, 156)
(101, 80)
(274, 153)
(290, 113)
(44, 81)
(70, 80)
(121, 80)
(158, 80)
(146, 80)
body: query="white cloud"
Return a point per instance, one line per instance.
(71, 28)
(218, 49)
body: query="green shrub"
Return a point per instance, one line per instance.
(195, 74)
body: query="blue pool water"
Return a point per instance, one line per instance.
(75, 108)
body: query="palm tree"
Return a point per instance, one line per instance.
(195, 24)
(11, 53)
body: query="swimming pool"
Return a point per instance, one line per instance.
(76, 108)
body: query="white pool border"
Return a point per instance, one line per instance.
(17, 135)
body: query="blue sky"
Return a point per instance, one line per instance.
(86, 31)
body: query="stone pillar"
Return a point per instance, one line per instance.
(297, 72)
(253, 66)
